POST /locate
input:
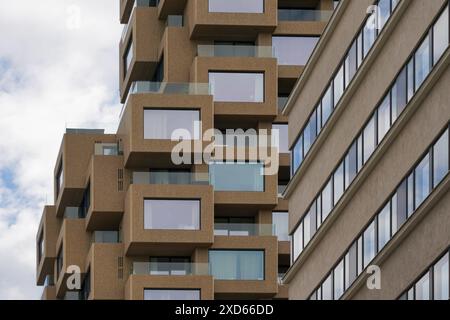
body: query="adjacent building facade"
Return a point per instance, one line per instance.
(369, 201)
(137, 225)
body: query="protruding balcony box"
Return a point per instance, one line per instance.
(143, 36)
(73, 241)
(137, 283)
(74, 156)
(108, 185)
(265, 110)
(249, 289)
(141, 241)
(128, 6)
(46, 240)
(261, 18)
(105, 262)
(170, 7)
(140, 152)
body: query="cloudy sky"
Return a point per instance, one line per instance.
(58, 69)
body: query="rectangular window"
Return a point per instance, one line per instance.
(338, 85)
(360, 151)
(298, 241)
(327, 106)
(327, 288)
(410, 69)
(423, 62)
(410, 194)
(399, 95)
(280, 222)
(161, 124)
(440, 279)
(369, 139)
(236, 6)
(351, 265)
(350, 64)
(384, 118)
(350, 165)
(307, 228)
(369, 244)
(171, 294)
(283, 142)
(422, 288)
(293, 50)
(237, 87)
(339, 280)
(369, 36)
(236, 265)
(360, 48)
(59, 261)
(327, 199)
(384, 11)
(40, 246)
(297, 154)
(440, 36)
(440, 159)
(171, 214)
(401, 206)
(338, 183)
(127, 58)
(237, 176)
(384, 226)
(310, 133)
(59, 178)
(422, 181)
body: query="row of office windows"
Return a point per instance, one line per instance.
(404, 87)
(423, 179)
(344, 74)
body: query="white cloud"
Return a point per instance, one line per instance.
(58, 66)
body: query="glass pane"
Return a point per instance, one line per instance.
(440, 36)
(351, 265)
(338, 85)
(384, 11)
(162, 124)
(399, 95)
(280, 221)
(369, 244)
(384, 226)
(236, 265)
(410, 79)
(236, 6)
(369, 139)
(283, 143)
(422, 181)
(237, 87)
(422, 58)
(327, 200)
(161, 294)
(293, 50)
(172, 214)
(401, 206)
(338, 183)
(298, 241)
(350, 165)
(384, 118)
(440, 279)
(327, 106)
(307, 228)
(309, 133)
(339, 280)
(350, 64)
(410, 186)
(360, 254)
(369, 35)
(223, 176)
(297, 154)
(327, 292)
(360, 48)
(440, 159)
(422, 288)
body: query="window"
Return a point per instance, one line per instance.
(293, 50)
(236, 6)
(369, 244)
(307, 228)
(298, 241)
(236, 264)
(85, 202)
(384, 11)
(440, 279)
(422, 181)
(127, 58)
(171, 294)
(369, 137)
(327, 288)
(280, 221)
(158, 76)
(422, 288)
(369, 36)
(399, 95)
(310, 133)
(172, 214)
(162, 123)
(86, 286)
(283, 142)
(339, 280)
(350, 64)
(338, 85)
(59, 261)
(327, 106)
(440, 36)
(59, 178)
(401, 206)
(338, 183)
(40, 246)
(423, 62)
(327, 199)
(350, 165)
(410, 196)
(410, 89)
(174, 266)
(384, 226)
(237, 87)
(440, 159)
(384, 118)
(297, 154)
(237, 176)
(351, 264)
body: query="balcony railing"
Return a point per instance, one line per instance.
(106, 237)
(167, 178)
(243, 229)
(234, 51)
(73, 213)
(282, 103)
(169, 268)
(106, 149)
(304, 15)
(175, 21)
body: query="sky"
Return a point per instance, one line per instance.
(58, 69)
